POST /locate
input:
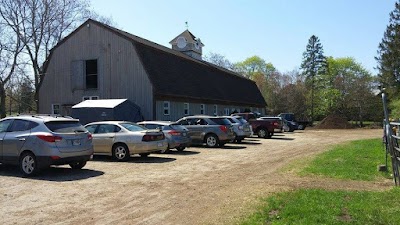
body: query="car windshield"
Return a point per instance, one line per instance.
(65, 126)
(242, 120)
(177, 127)
(132, 127)
(221, 121)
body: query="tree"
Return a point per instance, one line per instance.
(40, 25)
(253, 65)
(219, 60)
(389, 55)
(10, 48)
(313, 65)
(348, 89)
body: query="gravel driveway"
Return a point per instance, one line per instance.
(197, 186)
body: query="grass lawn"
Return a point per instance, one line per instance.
(329, 207)
(356, 160)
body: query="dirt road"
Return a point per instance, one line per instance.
(198, 186)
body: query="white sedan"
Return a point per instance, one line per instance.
(121, 139)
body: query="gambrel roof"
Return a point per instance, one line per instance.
(176, 75)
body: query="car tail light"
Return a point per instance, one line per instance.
(223, 128)
(152, 137)
(276, 124)
(89, 136)
(55, 157)
(49, 138)
(174, 133)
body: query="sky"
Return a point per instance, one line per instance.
(275, 30)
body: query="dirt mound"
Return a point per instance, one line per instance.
(334, 122)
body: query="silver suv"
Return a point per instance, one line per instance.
(214, 131)
(35, 142)
(241, 128)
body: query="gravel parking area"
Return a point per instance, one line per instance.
(198, 186)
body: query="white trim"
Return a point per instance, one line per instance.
(186, 109)
(167, 108)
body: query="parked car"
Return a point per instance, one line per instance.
(242, 129)
(121, 139)
(34, 142)
(176, 135)
(263, 128)
(214, 131)
(280, 127)
(296, 124)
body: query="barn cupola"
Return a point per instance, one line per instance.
(187, 43)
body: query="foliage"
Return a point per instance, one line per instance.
(388, 54)
(254, 65)
(316, 206)
(346, 89)
(40, 25)
(313, 66)
(219, 60)
(10, 48)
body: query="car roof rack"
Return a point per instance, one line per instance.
(48, 115)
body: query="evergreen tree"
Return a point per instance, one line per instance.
(313, 65)
(389, 54)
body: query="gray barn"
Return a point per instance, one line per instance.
(97, 61)
(106, 109)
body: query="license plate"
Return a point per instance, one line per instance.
(76, 142)
(159, 144)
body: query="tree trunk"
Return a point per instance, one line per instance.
(2, 101)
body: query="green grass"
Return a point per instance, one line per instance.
(316, 206)
(357, 160)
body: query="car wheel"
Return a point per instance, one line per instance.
(180, 149)
(262, 133)
(301, 127)
(144, 155)
(211, 140)
(77, 165)
(120, 152)
(239, 141)
(28, 164)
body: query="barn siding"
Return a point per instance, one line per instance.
(177, 110)
(120, 72)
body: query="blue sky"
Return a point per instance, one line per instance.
(275, 30)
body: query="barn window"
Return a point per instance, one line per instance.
(56, 109)
(186, 108)
(91, 74)
(90, 98)
(226, 111)
(166, 108)
(202, 109)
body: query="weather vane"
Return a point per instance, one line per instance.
(187, 25)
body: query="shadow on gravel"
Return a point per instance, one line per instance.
(281, 138)
(54, 173)
(135, 159)
(184, 152)
(245, 142)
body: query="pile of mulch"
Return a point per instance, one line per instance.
(334, 121)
